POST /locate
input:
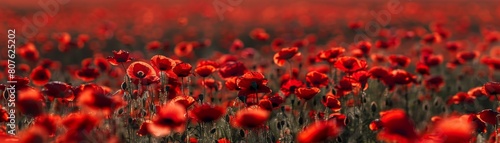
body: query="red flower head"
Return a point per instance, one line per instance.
(183, 69)
(319, 132)
(431, 38)
(467, 56)
(488, 116)
(223, 140)
(364, 46)
(399, 60)
(396, 126)
(434, 83)
(285, 54)
(492, 88)
(236, 45)
(80, 122)
(432, 60)
(259, 34)
(48, 122)
(249, 118)
(29, 52)
(140, 70)
(162, 63)
(455, 129)
(119, 57)
(183, 100)
(350, 64)
(291, 86)
(232, 69)
(4, 115)
(362, 78)
(98, 101)
(171, 117)
(331, 102)
(207, 113)
(461, 97)
(87, 74)
(339, 118)
(453, 46)
(265, 104)
(153, 45)
(144, 128)
(422, 69)
(252, 83)
(57, 89)
(307, 93)
(30, 102)
(231, 83)
(102, 64)
(379, 72)
(40, 76)
(204, 70)
(183, 49)
(399, 77)
(331, 55)
(317, 79)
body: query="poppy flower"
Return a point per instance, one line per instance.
(454, 129)
(339, 118)
(40, 76)
(265, 104)
(453, 46)
(480, 125)
(252, 83)
(399, 60)
(488, 116)
(433, 60)
(434, 83)
(80, 122)
(232, 69)
(29, 52)
(364, 47)
(140, 70)
(119, 57)
(476, 92)
(57, 89)
(30, 102)
(231, 83)
(48, 122)
(319, 132)
(285, 54)
(345, 86)
(144, 128)
(431, 38)
(379, 72)
(396, 126)
(362, 78)
(236, 45)
(102, 64)
(306, 93)
(153, 45)
(399, 77)
(259, 34)
(491, 88)
(290, 86)
(317, 79)
(162, 63)
(276, 100)
(96, 100)
(207, 113)
(33, 134)
(422, 69)
(250, 117)
(461, 97)
(183, 69)
(87, 74)
(466, 56)
(350, 64)
(332, 102)
(331, 54)
(223, 140)
(171, 117)
(183, 49)
(183, 100)
(204, 70)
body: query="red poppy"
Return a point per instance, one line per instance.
(223, 140)
(491, 88)
(285, 54)
(379, 72)
(290, 86)
(231, 83)
(211, 84)
(364, 47)
(432, 60)
(319, 132)
(144, 128)
(182, 69)
(345, 86)
(171, 117)
(339, 118)
(87, 74)
(236, 45)
(78, 122)
(396, 126)
(119, 57)
(252, 83)
(207, 113)
(29, 52)
(265, 104)
(453, 129)
(466, 56)
(387, 43)
(140, 70)
(183, 100)
(48, 122)
(153, 45)
(488, 116)
(33, 134)
(362, 78)
(183, 49)
(96, 100)
(162, 63)
(317, 79)
(453, 46)
(24, 68)
(40, 76)
(350, 64)
(250, 117)
(422, 69)
(399, 77)
(431, 38)
(204, 70)
(57, 89)
(480, 125)
(306, 93)
(102, 64)
(331, 102)
(399, 60)
(434, 83)
(259, 34)
(30, 102)
(476, 92)
(331, 54)
(461, 97)
(276, 100)
(232, 69)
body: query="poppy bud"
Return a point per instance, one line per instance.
(373, 107)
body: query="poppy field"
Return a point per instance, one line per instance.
(250, 71)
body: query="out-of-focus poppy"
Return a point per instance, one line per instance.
(231, 83)
(211, 83)
(232, 69)
(399, 77)
(30, 102)
(204, 70)
(362, 78)
(57, 89)
(259, 34)
(307, 93)
(332, 102)
(162, 63)
(34, 134)
(153, 45)
(461, 97)
(455, 129)
(399, 60)
(29, 52)
(350, 64)
(102, 64)
(422, 69)
(317, 79)
(453, 46)
(207, 113)
(379, 72)
(183, 49)
(140, 70)
(265, 104)
(119, 57)
(319, 131)
(491, 88)
(432, 60)
(434, 83)
(331, 54)
(250, 117)
(80, 122)
(96, 100)
(291, 86)
(87, 74)
(252, 83)
(4, 115)
(364, 47)
(466, 56)
(40, 76)
(182, 69)
(431, 38)
(285, 54)
(144, 128)
(171, 117)
(48, 122)
(396, 126)
(183, 100)
(236, 45)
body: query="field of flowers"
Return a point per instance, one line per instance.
(253, 71)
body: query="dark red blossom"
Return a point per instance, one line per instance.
(319, 132)
(57, 89)
(182, 69)
(162, 63)
(252, 83)
(87, 74)
(140, 70)
(396, 126)
(317, 79)
(40, 76)
(250, 117)
(232, 69)
(170, 117)
(285, 54)
(306, 93)
(399, 60)
(119, 57)
(207, 112)
(434, 83)
(350, 64)
(331, 54)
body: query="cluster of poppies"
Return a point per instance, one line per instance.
(277, 78)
